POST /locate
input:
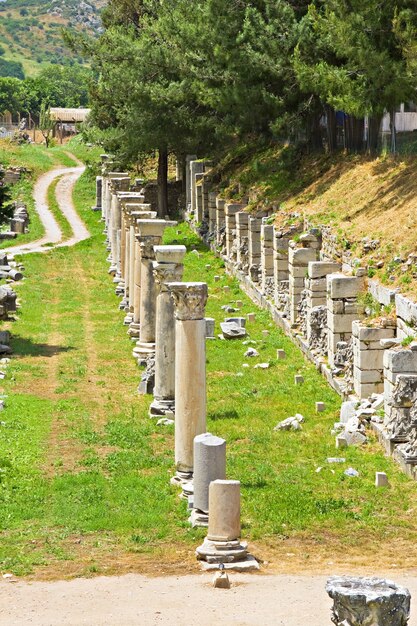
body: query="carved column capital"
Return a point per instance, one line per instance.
(190, 300)
(167, 273)
(147, 243)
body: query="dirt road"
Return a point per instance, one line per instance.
(53, 234)
(257, 600)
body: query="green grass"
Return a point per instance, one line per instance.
(84, 472)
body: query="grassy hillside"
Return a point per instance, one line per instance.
(360, 197)
(30, 30)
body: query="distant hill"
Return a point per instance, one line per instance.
(30, 31)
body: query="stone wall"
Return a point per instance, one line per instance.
(311, 288)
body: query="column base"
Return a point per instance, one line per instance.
(198, 519)
(123, 303)
(159, 407)
(222, 551)
(134, 329)
(143, 351)
(96, 208)
(181, 478)
(117, 280)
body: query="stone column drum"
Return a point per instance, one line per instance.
(133, 263)
(168, 267)
(99, 185)
(209, 465)
(190, 373)
(222, 544)
(150, 235)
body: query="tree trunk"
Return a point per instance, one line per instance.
(162, 182)
(316, 141)
(393, 132)
(374, 124)
(331, 127)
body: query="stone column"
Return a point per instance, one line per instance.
(196, 167)
(212, 213)
(128, 203)
(209, 465)
(242, 237)
(222, 544)
(134, 267)
(342, 310)
(168, 267)
(190, 373)
(230, 211)
(150, 235)
(255, 224)
(119, 184)
(122, 198)
(267, 260)
(99, 185)
(220, 221)
(188, 160)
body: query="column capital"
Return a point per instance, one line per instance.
(189, 300)
(166, 273)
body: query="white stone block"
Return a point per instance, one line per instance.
(319, 269)
(341, 286)
(369, 359)
(368, 376)
(401, 361)
(301, 256)
(381, 479)
(340, 323)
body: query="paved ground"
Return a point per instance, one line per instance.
(253, 600)
(53, 233)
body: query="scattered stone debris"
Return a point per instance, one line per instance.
(351, 472)
(251, 317)
(251, 352)
(320, 407)
(281, 354)
(381, 479)
(261, 366)
(232, 330)
(164, 421)
(332, 459)
(298, 379)
(221, 580)
(291, 423)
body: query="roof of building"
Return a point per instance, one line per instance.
(69, 115)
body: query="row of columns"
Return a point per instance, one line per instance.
(166, 318)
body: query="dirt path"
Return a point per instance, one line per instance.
(53, 234)
(172, 601)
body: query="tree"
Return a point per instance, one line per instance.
(12, 95)
(46, 124)
(363, 70)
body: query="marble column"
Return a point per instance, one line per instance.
(168, 267)
(140, 211)
(128, 201)
(190, 373)
(116, 184)
(122, 198)
(99, 186)
(150, 235)
(209, 465)
(222, 544)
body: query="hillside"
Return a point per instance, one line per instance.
(30, 30)
(369, 203)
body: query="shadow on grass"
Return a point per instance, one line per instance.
(25, 347)
(229, 414)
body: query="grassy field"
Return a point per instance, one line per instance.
(84, 472)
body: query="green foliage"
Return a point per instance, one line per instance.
(13, 69)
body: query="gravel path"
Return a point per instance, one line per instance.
(53, 234)
(129, 600)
